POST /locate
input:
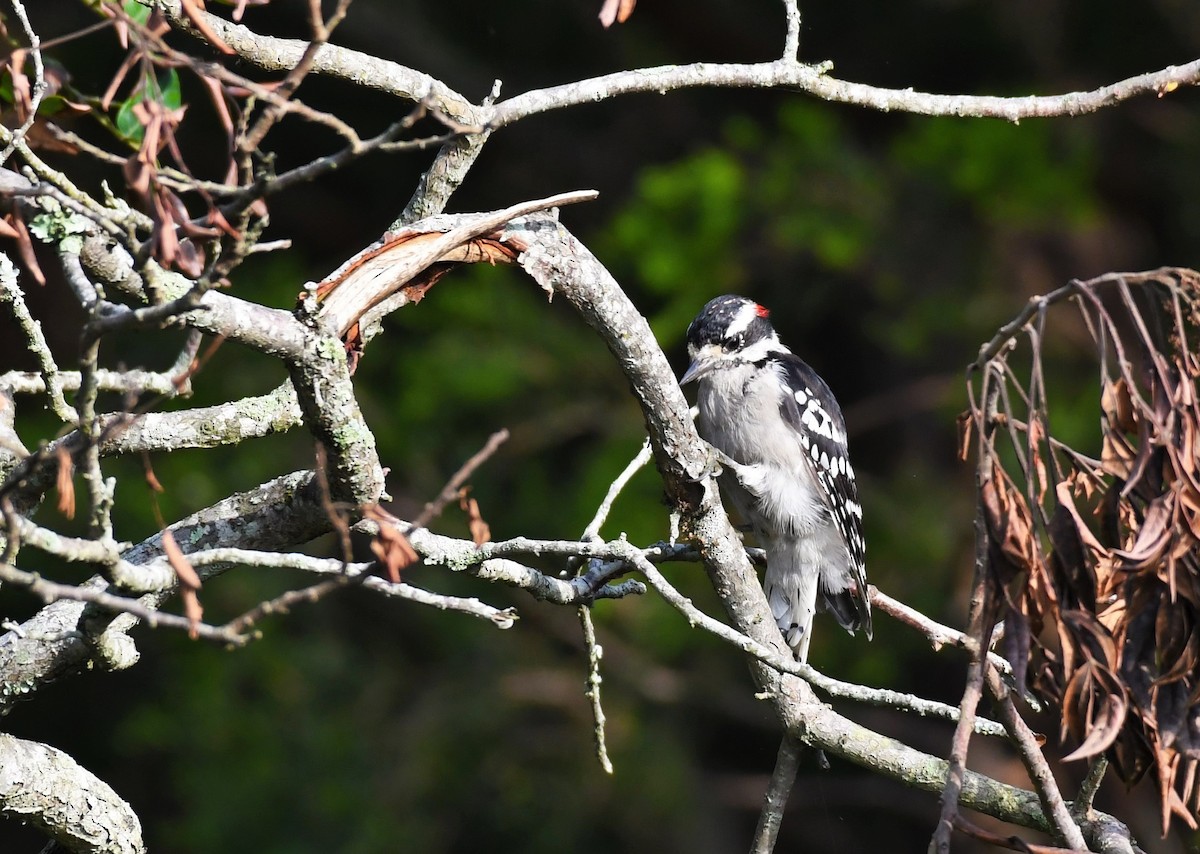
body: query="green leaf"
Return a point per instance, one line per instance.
(169, 93)
(139, 13)
(165, 89)
(127, 124)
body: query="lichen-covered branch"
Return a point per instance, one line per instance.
(558, 262)
(785, 73)
(45, 787)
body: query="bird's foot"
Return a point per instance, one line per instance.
(716, 462)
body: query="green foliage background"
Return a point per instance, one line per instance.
(888, 247)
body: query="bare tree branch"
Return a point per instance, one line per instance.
(47, 788)
(776, 798)
(283, 54)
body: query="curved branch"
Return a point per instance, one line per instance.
(276, 515)
(276, 54)
(556, 260)
(48, 789)
(282, 54)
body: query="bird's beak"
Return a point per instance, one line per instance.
(696, 370)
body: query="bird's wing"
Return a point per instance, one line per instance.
(814, 413)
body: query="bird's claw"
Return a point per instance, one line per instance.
(715, 463)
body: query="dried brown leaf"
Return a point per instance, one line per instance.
(390, 547)
(25, 248)
(151, 479)
(65, 483)
(1154, 536)
(1116, 403)
(966, 430)
(189, 582)
(1037, 435)
(1102, 729)
(1116, 455)
(1069, 559)
(480, 531)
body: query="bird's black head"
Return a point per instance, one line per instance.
(728, 330)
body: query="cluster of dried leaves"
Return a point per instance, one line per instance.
(1094, 559)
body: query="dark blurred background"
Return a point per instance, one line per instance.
(889, 247)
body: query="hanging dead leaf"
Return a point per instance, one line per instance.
(1117, 455)
(1037, 435)
(390, 546)
(966, 430)
(480, 531)
(1102, 730)
(189, 582)
(65, 482)
(1071, 563)
(1117, 405)
(1154, 536)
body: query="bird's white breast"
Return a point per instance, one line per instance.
(776, 490)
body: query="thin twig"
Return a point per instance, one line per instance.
(314, 593)
(49, 591)
(776, 798)
(595, 653)
(979, 630)
(938, 634)
(453, 486)
(1090, 785)
(35, 340)
(1030, 751)
(1012, 843)
(639, 460)
(791, 41)
(38, 89)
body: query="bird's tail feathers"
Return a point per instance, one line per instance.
(793, 600)
(850, 608)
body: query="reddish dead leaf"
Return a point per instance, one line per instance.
(65, 483)
(966, 430)
(151, 479)
(25, 247)
(390, 547)
(137, 175)
(194, 9)
(481, 532)
(189, 582)
(616, 11)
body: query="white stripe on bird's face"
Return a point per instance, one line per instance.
(742, 320)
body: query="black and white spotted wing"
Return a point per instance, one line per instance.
(814, 413)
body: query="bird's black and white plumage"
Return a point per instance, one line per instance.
(791, 480)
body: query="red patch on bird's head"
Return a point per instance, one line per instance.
(762, 310)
